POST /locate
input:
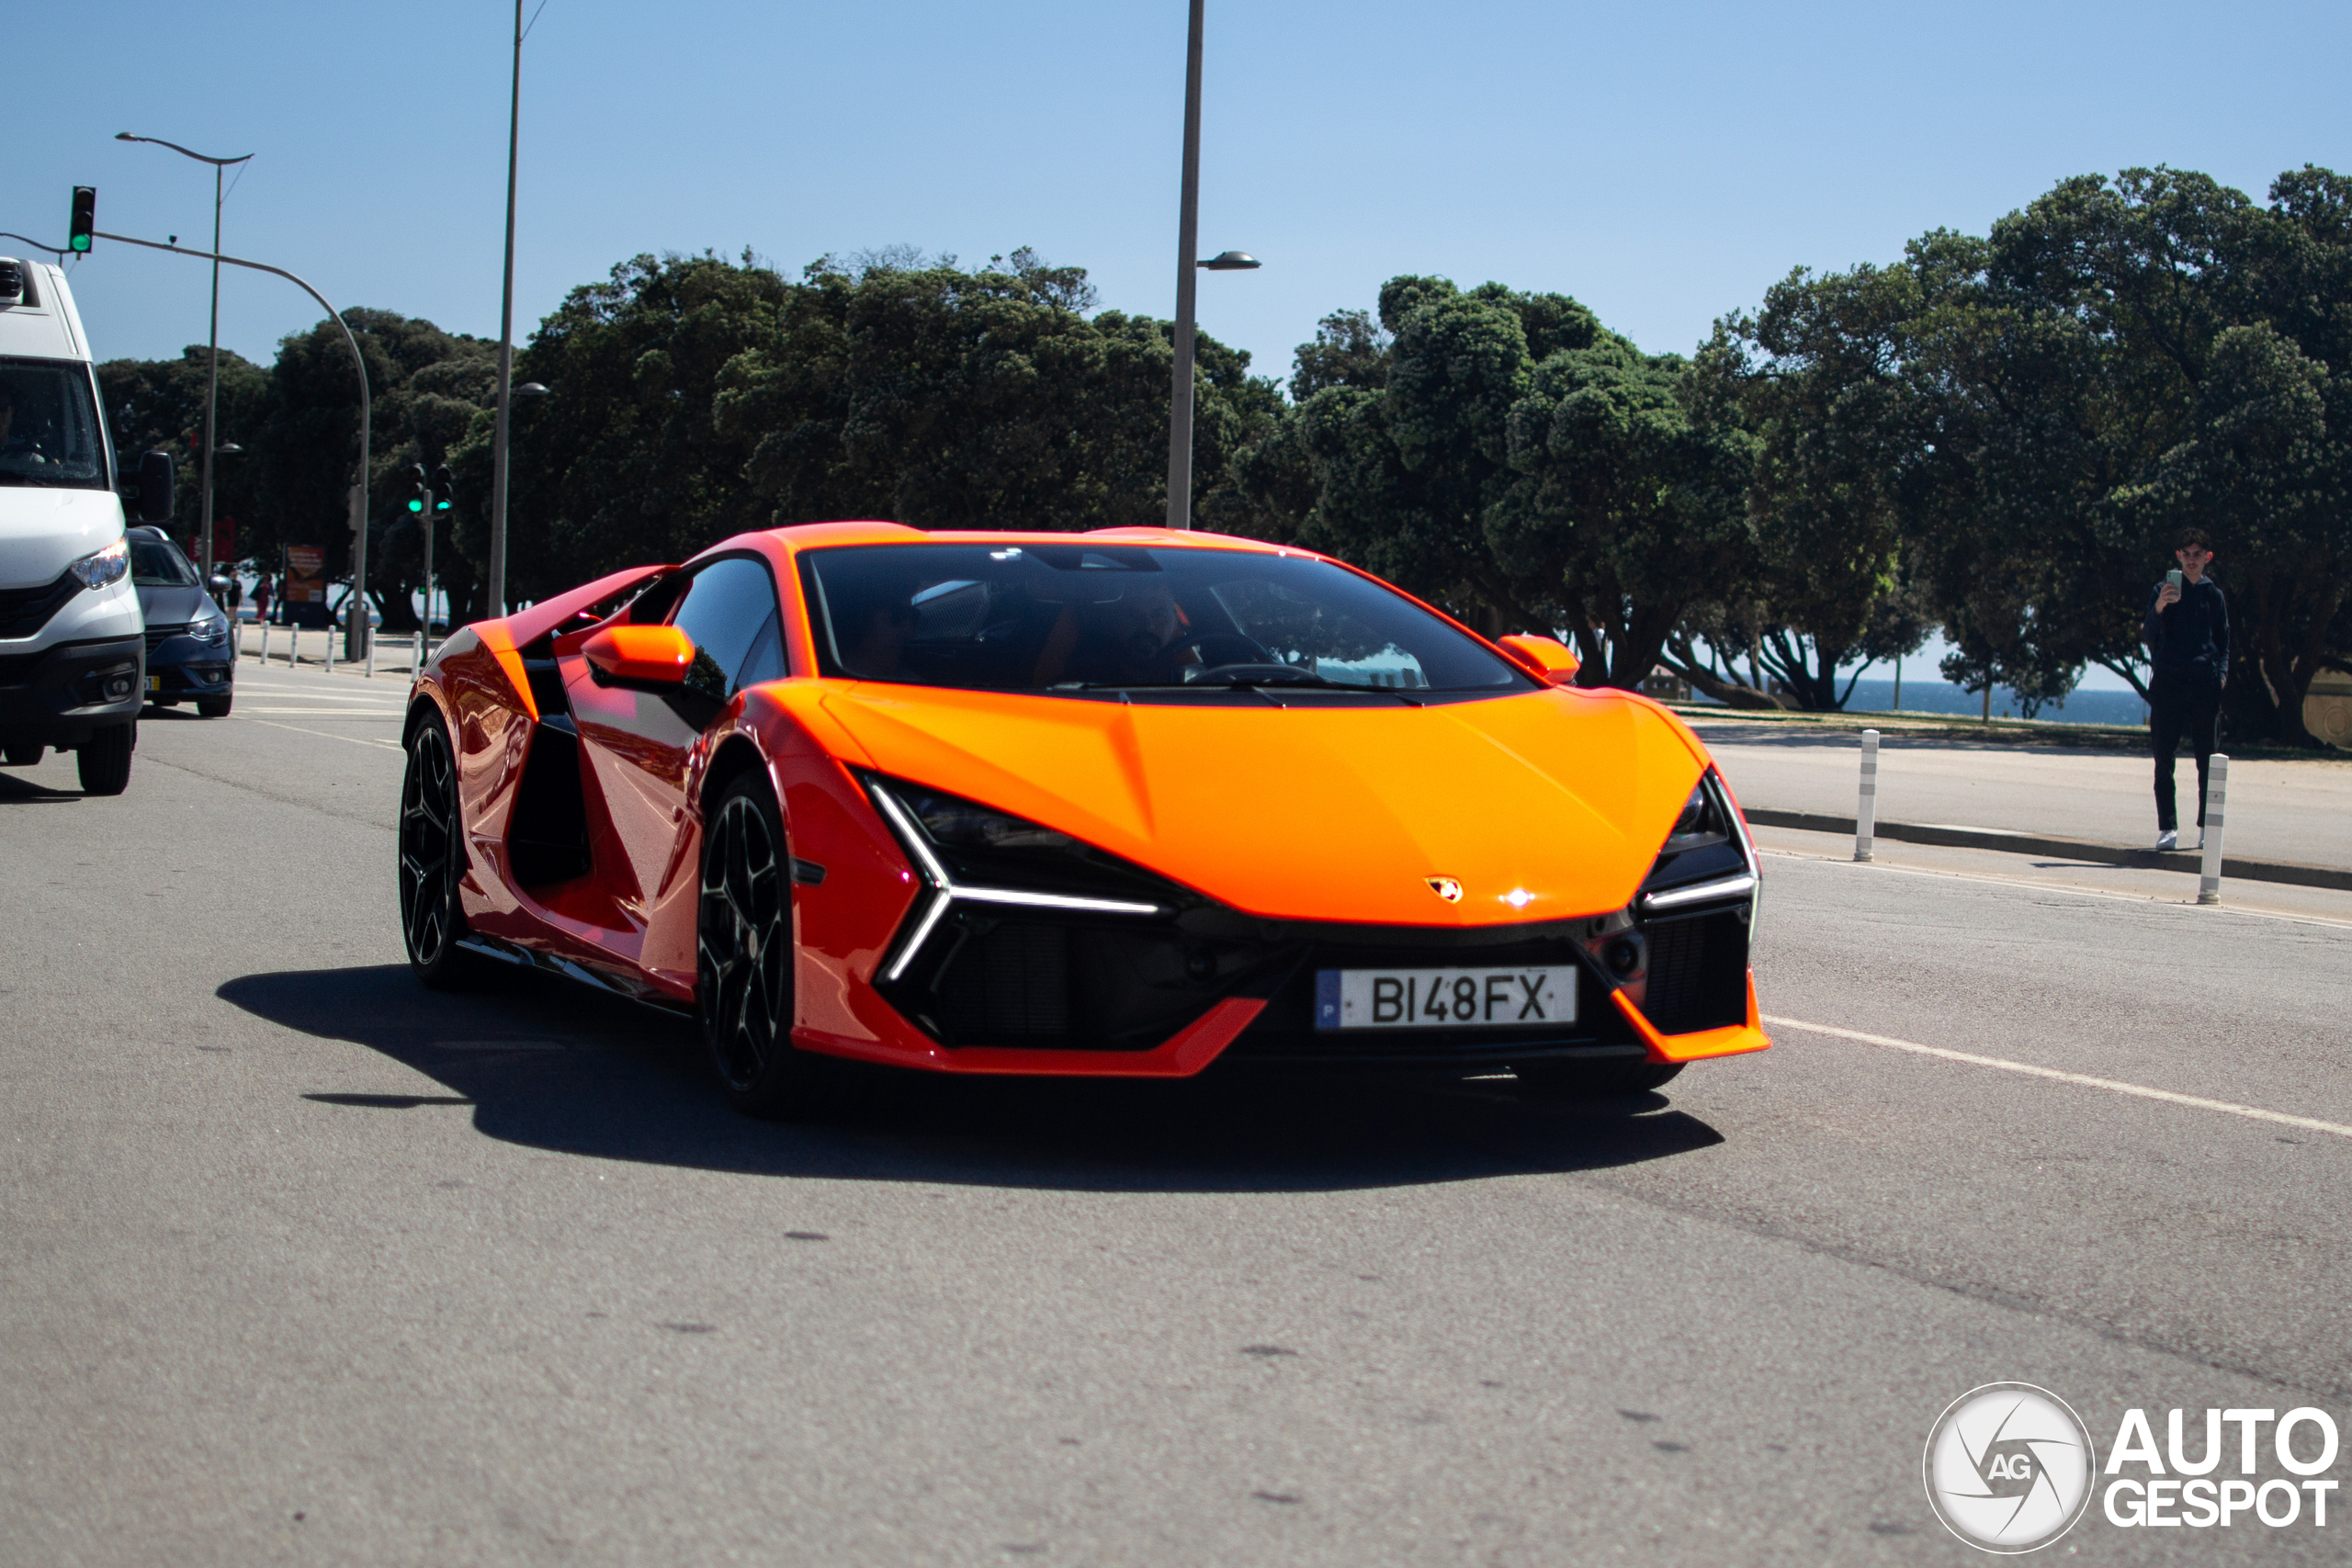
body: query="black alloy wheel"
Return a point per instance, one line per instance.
(743, 954)
(432, 858)
(1593, 1080)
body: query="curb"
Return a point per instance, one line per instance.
(2073, 849)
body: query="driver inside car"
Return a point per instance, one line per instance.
(1133, 640)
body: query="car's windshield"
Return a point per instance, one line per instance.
(157, 563)
(1070, 619)
(49, 425)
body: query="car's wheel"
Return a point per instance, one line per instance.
(214, 707)
(743, 955)
(432, 859)
(21, 753)
(105, 759)
(1593, 1080)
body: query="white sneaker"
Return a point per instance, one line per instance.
(2167, 840)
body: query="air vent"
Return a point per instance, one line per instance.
(12, 282)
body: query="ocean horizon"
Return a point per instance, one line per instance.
(1943, 697)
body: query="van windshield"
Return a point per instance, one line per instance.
(49, 425)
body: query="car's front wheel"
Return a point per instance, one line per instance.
(104, 760)
(743, 955)
(214, 707)
(432, 859)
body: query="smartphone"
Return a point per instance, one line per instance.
(2172, 577)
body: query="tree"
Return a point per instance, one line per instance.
(159, 404)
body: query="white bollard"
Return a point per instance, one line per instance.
(265, 642)
(371, 657)
(293, 644)
(2209, 884)
(1866, 814)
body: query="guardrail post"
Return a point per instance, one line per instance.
(1866, 812)
(2217, 792)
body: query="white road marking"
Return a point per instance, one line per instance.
(2141, 1091)
(338, 712)
(324, 735)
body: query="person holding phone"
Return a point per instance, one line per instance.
(2187, 632)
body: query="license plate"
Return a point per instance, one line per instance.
(1445, 998)
(154, 683)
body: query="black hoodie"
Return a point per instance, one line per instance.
(2189, 640)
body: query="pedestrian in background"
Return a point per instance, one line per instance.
(2188, 634)
(260, 599)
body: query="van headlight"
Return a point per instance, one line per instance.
(101, 567)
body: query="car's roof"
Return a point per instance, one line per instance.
(812, 535)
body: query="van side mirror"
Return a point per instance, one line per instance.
(1549, 660)
(154, 487)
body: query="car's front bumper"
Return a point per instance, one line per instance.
(180, 669)
(63, 694)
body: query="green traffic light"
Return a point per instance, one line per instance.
(416, 505)
(80, 242)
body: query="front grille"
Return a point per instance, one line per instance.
(1012, 981)
(157, 635)
(1697, 974)
(24, 611)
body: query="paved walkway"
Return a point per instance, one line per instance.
(2277, 811)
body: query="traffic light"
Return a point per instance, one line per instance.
(85, 222)
(418, 496)
(445, 489)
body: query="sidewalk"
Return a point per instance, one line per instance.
(395, 655)
(2297, 810)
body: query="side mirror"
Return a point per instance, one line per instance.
(155, 486)
(652, 656)
(1547, 659)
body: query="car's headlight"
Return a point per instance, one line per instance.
(1705, 859)
(212, 629)
(101, 567)
(970, 854)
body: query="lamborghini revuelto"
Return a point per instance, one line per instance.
(1119, 804)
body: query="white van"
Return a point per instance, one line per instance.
(73, 647)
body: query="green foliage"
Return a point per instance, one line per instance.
(159, 404)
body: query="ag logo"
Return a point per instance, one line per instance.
(1445, 887)
(2008, 1468)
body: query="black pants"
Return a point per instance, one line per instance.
(2182, 712)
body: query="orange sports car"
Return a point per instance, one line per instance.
(1114, 804)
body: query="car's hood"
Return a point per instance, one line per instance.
(1541, 805)
(44, 530)
(173, 606)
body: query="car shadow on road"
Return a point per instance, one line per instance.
(557, 1066)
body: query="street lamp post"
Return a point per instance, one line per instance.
(212, 366)
(497, 605)
(1188, 224)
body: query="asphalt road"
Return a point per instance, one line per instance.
(302, 1264)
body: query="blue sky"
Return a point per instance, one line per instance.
(1663, 163)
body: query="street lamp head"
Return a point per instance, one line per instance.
(228, 449)
(532, 389)
(1230, 261)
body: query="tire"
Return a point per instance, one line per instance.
(105, 759)
(214, 707)
(743, 958)
(21, 753)
(432, 861)
(1594, 1080)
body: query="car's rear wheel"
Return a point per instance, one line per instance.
(1593, 1080)
(105, 759)
(213, 707)
(21, 753)
(743, 955)
(432, 859)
